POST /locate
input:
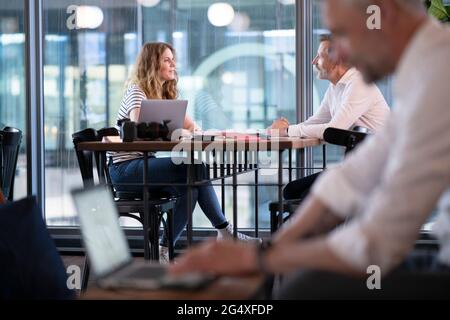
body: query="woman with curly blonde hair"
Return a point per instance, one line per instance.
(154, 77)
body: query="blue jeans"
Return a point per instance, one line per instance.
(162, 170)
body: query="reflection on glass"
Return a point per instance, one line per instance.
(12, 82)
(85, 67)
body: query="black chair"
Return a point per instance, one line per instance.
(131, 202)
(10, 139)
(127, 203)
(340, 137)
(345, 138)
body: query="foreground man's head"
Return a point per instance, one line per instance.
(373, 34)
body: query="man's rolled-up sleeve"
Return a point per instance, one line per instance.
(416, 174)
(323, 115)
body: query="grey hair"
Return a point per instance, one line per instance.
(326, 37)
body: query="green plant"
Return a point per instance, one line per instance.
(439, 10)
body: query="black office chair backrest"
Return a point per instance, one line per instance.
(361, 129)
(85, 157)
(86, 160)
(10, 139)
(346, 138)
(105, 132)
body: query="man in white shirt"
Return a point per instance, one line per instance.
(387, 188)
(348, 102)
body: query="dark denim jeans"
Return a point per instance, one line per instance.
(299, 189)
(162, 170)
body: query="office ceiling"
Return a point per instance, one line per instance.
(181, 4)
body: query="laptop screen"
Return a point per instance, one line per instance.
(164, 110)
(103, 238)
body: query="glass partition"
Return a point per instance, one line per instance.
(12, 82)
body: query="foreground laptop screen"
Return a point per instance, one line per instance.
(103, 238)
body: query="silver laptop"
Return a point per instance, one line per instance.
(108, 251)
(164, 110)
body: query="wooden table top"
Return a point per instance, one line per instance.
(225, 288)
(273, 144)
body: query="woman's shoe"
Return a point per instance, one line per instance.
(164, 255)
(227, 234)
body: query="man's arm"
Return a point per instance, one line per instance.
(322, 115)
(417, 173)
(314, 254)
(219, 257)
(357, 100)
(297, 244)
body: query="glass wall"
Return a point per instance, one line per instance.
(12, 81)
(88, 49)
(236, 65)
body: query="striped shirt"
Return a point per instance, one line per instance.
(132, 99)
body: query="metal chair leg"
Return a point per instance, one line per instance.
(168, 232)
(279, 220)
(170, 236)
(273, 221)
(154, 232)
(85, 277)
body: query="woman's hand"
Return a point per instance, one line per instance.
(190, 124)
(218, 257)
(186, 134)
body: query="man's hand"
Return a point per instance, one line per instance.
(279, 127)
(218, 257)
(281, 123)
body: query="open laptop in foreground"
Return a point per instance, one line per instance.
(108, 251)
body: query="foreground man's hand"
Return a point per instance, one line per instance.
(218, 257)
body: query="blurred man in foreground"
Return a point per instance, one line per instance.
(386, 189)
